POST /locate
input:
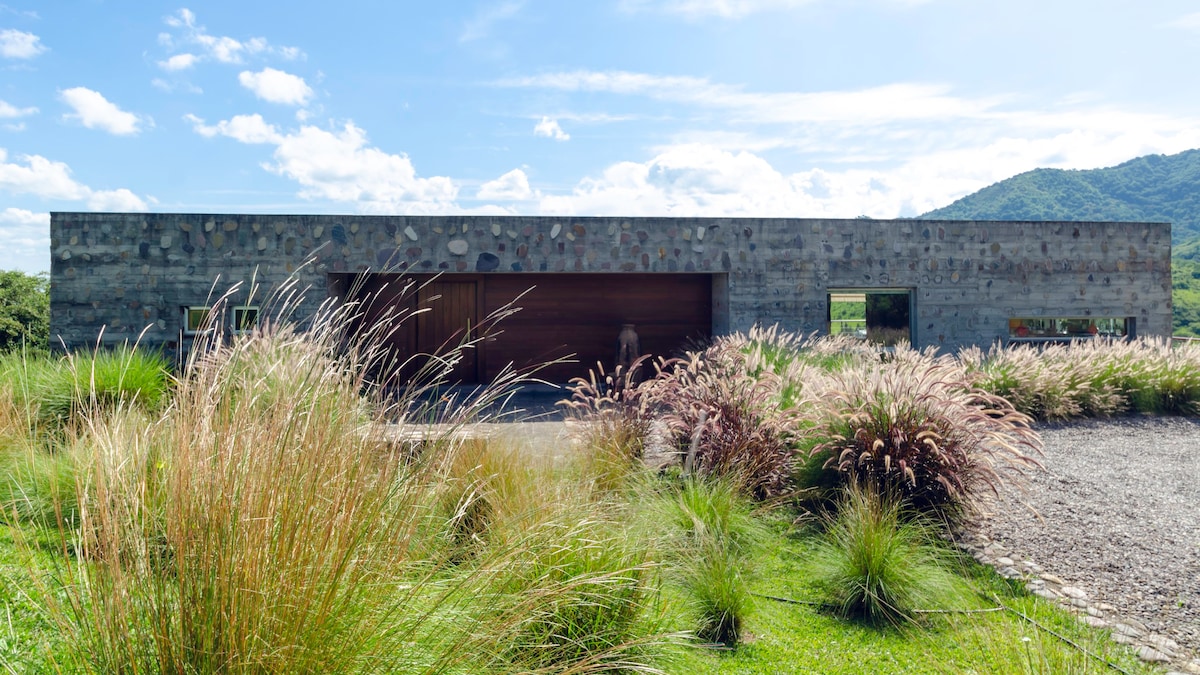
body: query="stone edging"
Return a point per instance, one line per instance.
(1149, 647)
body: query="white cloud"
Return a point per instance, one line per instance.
(864, 106)
(15, 44)
(10, 111)
(893, 150)
(179, 62)
(220, 48)
(703, 180)
(96, 112)
(12, 216)
(25, 238)
(549, 128)
(249, 129)
(121, 200)
(481, 24)
(177, 85)
(339, 165)
(182, 18)
(512, 186)
(47, 179)
(1186, 22)
(276, 86)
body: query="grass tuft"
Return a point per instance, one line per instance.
(876, 566)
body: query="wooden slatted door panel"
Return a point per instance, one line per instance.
(581, 314)
(385, 305)
(452, 315)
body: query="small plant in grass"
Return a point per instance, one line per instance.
(718, 592)
(876, 565)
(916, 429)
(713, 535)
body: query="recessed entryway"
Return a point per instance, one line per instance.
(576, 316)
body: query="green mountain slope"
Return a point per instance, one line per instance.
(1154, 188)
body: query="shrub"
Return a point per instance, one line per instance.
(875, 565)
(918, 430)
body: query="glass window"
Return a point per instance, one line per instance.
(195, 319)
(245, 318)
(1068, 327)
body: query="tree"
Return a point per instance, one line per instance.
(24, 310)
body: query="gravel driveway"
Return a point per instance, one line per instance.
(1119, 507)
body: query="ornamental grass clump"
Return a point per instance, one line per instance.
(615, 411)
(572, 598)
(875, 564)
(918, 430)
(727, 422)
(711, 534)
(1091, 378)
(58, 391)
(262, 522)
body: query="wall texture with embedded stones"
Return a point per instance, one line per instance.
(134, 272)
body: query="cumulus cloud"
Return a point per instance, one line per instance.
(893, 150)
(512, 186)
(179, 62)
(549, 129)
(697, 179)
(276, 86)
(10, 111)
(94, 111)
(15, 44)
(220, 48)
(340, 165)
(249, 129)
(25, 238)
(47, 179)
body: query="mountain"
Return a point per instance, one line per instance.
(1154, 188)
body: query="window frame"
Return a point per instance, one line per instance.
(237, 325)
(199, 326)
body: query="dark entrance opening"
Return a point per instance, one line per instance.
(560, 316)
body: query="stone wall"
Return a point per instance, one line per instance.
(134, 272)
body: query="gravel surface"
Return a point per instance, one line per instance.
(1116, 512)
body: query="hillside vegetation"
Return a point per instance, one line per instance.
(1154, 188)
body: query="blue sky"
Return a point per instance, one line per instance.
(804, 108)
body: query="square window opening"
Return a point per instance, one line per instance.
(879, 316)
(196, 318)
(245, 319)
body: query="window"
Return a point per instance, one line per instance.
(245, 318)
(1065, 328)
(195, 319)
(881, 316)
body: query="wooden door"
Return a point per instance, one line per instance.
(449, 318)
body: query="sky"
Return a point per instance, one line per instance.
(783, 108)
